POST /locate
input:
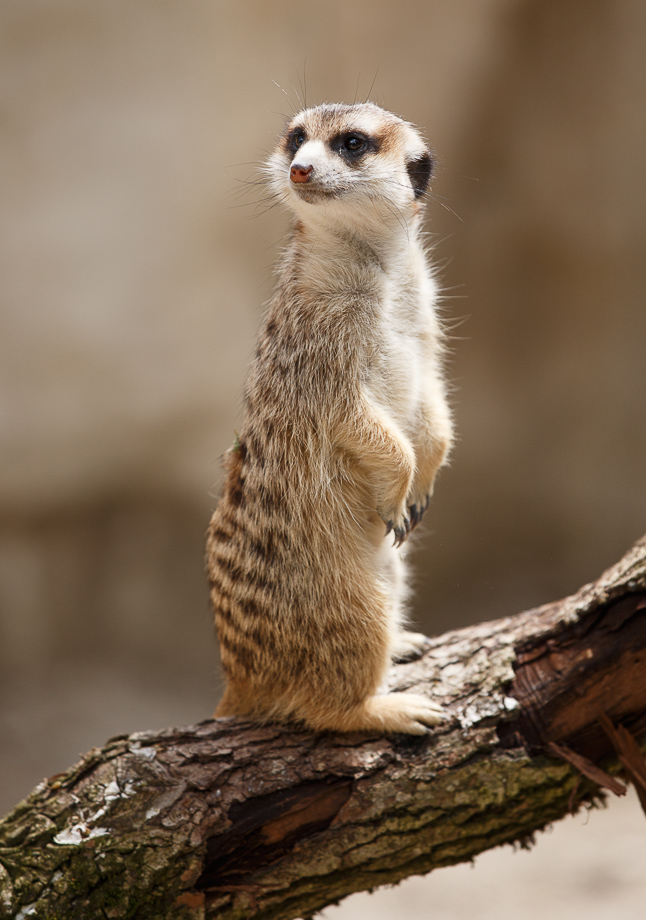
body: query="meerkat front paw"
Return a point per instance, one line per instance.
(401, 531)
(399, 525)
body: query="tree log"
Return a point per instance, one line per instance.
(231, 820)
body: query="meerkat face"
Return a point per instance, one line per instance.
(354, 159)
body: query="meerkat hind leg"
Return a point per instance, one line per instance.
(406, 713)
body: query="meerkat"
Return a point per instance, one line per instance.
(346, 425)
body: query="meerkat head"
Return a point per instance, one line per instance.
(355, 163)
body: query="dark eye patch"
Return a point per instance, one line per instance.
(352, 145)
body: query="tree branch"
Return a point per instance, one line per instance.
(230, 820)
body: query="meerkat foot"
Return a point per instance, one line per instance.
(405, 713)
(408, 645)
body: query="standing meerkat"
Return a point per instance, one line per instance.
(346, 425)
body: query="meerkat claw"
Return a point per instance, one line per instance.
(401, 533)
(416, 512)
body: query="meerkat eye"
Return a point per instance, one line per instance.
(354, 143)
(297, 140)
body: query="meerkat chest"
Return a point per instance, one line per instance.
(380, 319)
(403, 346)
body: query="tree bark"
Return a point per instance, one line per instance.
(230, 820)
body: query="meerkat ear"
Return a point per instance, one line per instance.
(419, 172)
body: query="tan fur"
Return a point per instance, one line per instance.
(346, 425)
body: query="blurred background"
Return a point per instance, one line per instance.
(135, 262)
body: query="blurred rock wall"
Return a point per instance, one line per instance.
(136, 253)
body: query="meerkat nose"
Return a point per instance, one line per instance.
(300, 173)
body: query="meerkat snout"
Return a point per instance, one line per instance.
(299, 173)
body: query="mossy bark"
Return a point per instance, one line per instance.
(230, 820)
